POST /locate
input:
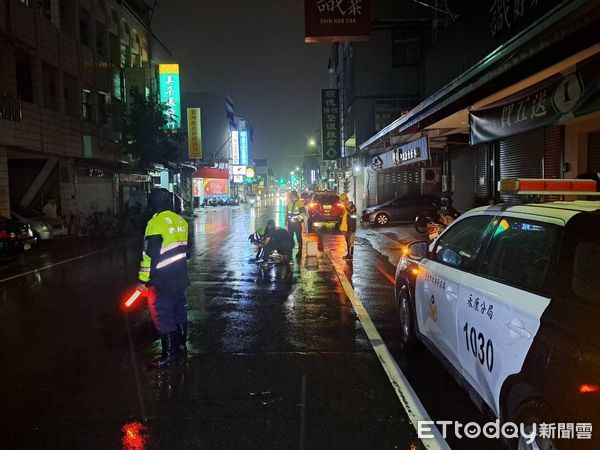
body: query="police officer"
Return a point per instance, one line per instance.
(164, 267)
(295, 214)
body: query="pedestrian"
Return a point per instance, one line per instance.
(348, 225)
(164, 269)
(295, 215)
(49, 209)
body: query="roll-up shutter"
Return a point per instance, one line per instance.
(94, 194)
(462, 167)
(521, 156)
(482, 172)
(398, 182)
(553, 152)
(594, 152)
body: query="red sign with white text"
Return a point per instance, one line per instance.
(337, 20)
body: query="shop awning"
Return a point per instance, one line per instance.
(209, 172)
(542, 44)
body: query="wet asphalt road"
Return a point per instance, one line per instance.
(277, 356)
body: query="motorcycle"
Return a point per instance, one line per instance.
(434, 224)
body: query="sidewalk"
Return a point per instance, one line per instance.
(389, 240)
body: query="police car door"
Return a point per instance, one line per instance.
(439, 279)
(499, 308)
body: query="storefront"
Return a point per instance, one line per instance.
(533, 116)
(96, 190)
(210, 182)
(133, 191)
(405, 169)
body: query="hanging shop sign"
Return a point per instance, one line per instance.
(194, 124)
(238, 170)
(330, 124)
(409, 153)
(337, 20)
(244, 147)
(238, 179)
(134, 178)
(168, 75)
(507, 17)
(561, 97)
(235, 148)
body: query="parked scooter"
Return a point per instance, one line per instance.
(433, 226)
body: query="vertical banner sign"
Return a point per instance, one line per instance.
(194, 124)
(330, 124)
(244, 147)
(235, 148)
(337, 20)
(168, 75)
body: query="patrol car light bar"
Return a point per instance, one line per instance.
(542, 186)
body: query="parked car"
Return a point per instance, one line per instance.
(14, 237)
(508, 299)
(324, 207)
(400, 209)
(43, 228)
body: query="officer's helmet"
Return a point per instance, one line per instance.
(160, 200)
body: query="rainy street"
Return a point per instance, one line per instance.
(278, 357)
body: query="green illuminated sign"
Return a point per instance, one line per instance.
(169, 94)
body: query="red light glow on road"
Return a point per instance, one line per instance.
(134, 436)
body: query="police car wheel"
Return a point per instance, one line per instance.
(405, 317)
(382, 219)
(529, 414)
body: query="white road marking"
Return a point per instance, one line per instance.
(410, 401)
(49, 266)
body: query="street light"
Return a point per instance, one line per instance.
(312, 142)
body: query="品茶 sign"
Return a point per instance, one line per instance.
(337, 20)
(330, 124)
(561, 97)
(168, 75)
(194, 123)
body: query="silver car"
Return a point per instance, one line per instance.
(43, 228)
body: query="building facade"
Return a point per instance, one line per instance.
(514, 95)
(68, 67)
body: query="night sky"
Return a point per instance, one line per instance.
(254, 51)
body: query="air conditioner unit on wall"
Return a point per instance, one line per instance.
(431, 175)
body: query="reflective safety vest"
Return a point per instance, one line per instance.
(296, 209)
(165, 265)
(349, 218)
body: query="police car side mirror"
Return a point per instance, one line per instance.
(418, 249)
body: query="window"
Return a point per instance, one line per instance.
(100, 39)
(103, 108)
(406, 48)
(49, 81)
(84, 32)
(24, 84)
(521, 252)
(460, 245)
(86, 102)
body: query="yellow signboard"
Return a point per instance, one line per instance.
(194, 133)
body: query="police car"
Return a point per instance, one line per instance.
(508, 297)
